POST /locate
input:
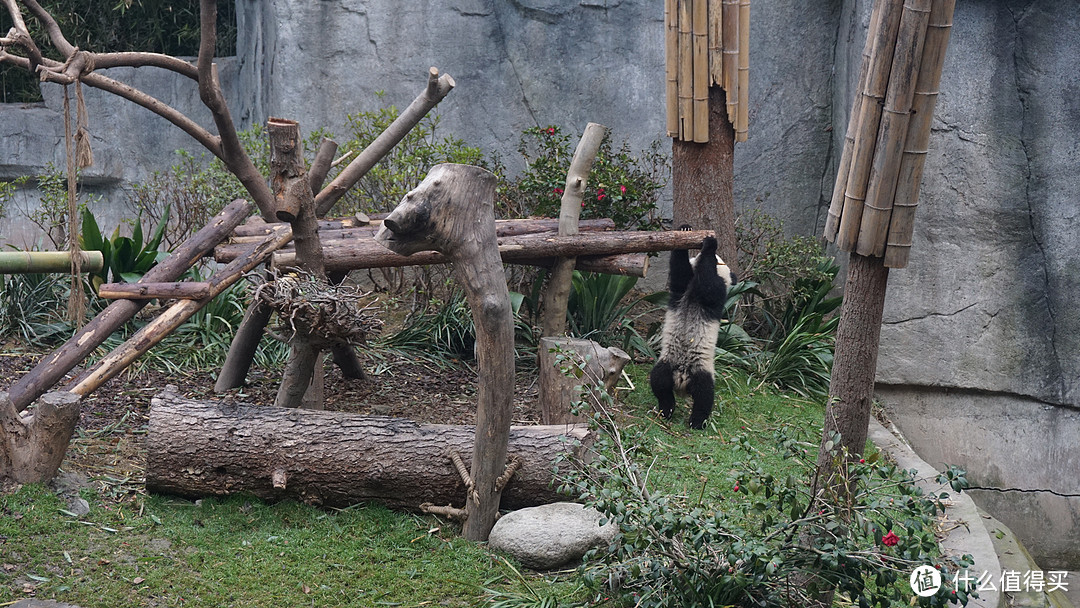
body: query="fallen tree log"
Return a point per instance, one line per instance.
(333, 459)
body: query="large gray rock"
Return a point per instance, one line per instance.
(551, 535)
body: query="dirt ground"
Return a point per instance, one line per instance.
(109, 440)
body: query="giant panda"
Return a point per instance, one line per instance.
(698, 289)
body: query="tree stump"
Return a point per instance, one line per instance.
(33, 444)
(561, 386)
(333, 459)
(453, 211)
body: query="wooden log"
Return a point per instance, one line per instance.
(21, 262)
(242, 349)
(883, 42)
(349, 228)
(902, 225)
(453, 211)
(52, 368)
(33, 445)
(836, 204)
(523, 249)
(626, 264)
(557, 293)
(561, 387)
(174, 316)
(877, 209)
(437, 88)
(191, 290)
(320, 165)
(211, 448)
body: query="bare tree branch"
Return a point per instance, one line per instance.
(51, 27)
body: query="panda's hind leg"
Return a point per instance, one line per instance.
(662, 382)
(701, 389)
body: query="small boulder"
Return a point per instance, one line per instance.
(550, 536)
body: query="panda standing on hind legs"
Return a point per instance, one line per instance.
(686, 366)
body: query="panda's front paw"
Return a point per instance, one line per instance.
(666, 414)
(686, 228)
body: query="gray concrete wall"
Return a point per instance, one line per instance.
(982, 330)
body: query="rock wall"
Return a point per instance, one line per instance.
(979, 359)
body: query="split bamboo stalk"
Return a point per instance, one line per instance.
(686, 71)
(701, 70)
(671, 56)
(883, 42)
(731, 57)
(836, 204)
(18, 262)
(902, 225)
(742, 116)
(716, 43)
(889, 149)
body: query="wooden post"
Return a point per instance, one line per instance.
(33, 446)
(557, 293)
(51, 369)
(452, 211)
(559, 391)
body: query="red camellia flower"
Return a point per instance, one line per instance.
(558, 191)
(890, 539)
(551, 130)
(622, 189)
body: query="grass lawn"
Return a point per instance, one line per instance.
(138, 550)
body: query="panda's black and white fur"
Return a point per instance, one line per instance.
(686, 365)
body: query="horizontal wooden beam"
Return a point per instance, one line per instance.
(194, 290)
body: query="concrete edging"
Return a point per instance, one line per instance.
(968, 534)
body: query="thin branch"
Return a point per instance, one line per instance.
(141, 59)
(232, 151)
(51, 27)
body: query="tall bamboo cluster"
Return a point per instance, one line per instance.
(707, 44)
(877, 185)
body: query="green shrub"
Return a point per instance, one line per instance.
(126, 258)
(596, 311)
(622, 186)
(763, 541)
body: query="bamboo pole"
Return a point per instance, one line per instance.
(730, 24)
(21, 262)
(742, 116)
(889, 149)
(902, 225)
(701, 70)
(836, 204)
(686, 71)
(883, 42)
(671, 56)
(716, 43)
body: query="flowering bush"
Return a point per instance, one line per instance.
(622, 186)
(764, 541)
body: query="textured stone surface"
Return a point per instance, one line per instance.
(551, 535)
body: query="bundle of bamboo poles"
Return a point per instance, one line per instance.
(707, 44)
(877, 185)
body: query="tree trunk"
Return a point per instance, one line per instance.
(453, 211)
(702, 178)
(557, 291)
(333, 459)
(51, 369)
(851, 388)
(32, 446)
(560, 389)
